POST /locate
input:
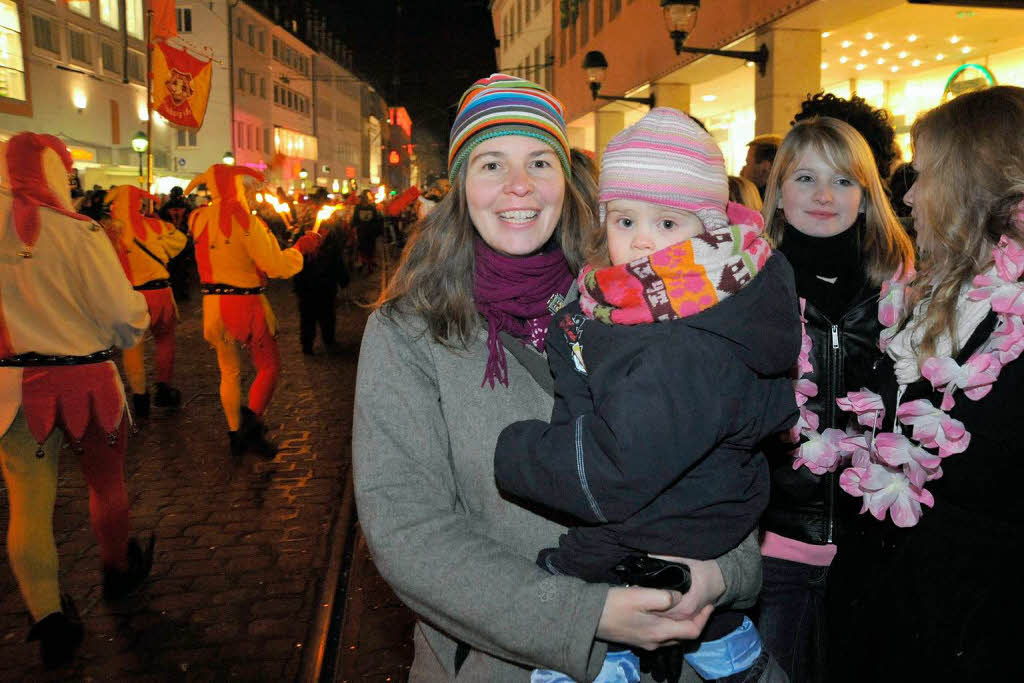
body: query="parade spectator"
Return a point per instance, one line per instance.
(826, 210)
(368, 226)
(873, 125)
(925, 587)
(316, 285)
(760, 155)
(146, 246)
(236, 254)
(744, 192)
(64, 304)
(666, 443)
(903, 178)
(452, 355)
(182, 267)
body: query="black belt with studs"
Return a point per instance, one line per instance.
(214, 288)
(32, 359)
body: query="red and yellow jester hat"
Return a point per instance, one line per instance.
(36, 182)
(126, 205)
(224, 184)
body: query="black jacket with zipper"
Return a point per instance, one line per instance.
(843, 355)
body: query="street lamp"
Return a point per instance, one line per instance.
(303, 174)
(140, 143)
(680, 19)
(229, 158)
(595, 64)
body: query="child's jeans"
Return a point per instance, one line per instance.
(732, 654)
(619, 667)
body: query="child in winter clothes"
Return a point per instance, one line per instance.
(669, 370)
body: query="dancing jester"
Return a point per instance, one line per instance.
(236, 254)
(145, 246)
(64, 305)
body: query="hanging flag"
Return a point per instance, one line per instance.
(165, 24)
(181, 85)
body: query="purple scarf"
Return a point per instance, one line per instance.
(512, 293)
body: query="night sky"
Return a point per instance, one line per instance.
(439, 47)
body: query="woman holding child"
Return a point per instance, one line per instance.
(453, 355)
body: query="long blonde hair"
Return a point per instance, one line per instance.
(435, 275)
(886, 246)
(970, 155)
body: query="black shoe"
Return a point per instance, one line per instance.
(59, 635)
(334, 349)
(118, 583)
(166, 396)
(307, 351)
(141, 404)
(237, 444)
(253, 433)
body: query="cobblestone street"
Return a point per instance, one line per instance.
(242, 546)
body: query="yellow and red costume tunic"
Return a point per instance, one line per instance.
(64, 304)
(236, 254)
(145, 245)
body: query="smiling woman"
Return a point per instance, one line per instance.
(514, 189)
(455, 353)
(827, 212)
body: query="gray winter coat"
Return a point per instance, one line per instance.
(453, 550)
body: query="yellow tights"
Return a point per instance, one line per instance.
(32, 491)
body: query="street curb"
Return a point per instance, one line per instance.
(313, 662)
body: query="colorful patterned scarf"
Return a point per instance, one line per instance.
(678, 281)
(512, 293)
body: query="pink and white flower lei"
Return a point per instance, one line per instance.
(889, 470)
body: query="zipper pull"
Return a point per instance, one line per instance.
(835, 337)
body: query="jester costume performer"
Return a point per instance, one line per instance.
(236, 254)
(145, 245)
(64, 305)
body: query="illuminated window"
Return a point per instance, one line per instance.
(133, 18)
(83, 7)
(12, 63)
(109, 14)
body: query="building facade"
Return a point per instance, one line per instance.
(902, 56)
(524, 31)
(281, 100)
(77, 69)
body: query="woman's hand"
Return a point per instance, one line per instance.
(649, 618)
(706, 586)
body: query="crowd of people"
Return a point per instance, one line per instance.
(660, 424)
(86, 274)
(651, 422)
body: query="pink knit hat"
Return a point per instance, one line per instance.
(666, 158)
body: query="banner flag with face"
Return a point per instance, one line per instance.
(181, 85)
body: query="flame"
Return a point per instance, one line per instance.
(382, 194)
(325, 212)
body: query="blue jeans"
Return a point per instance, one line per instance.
(790, 614)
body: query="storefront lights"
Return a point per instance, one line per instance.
(229, 158)
(911, 38)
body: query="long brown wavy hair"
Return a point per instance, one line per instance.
(970, 156)
(435, 275)
(886, 246)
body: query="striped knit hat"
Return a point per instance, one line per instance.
(666, 158)
(506, 105)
